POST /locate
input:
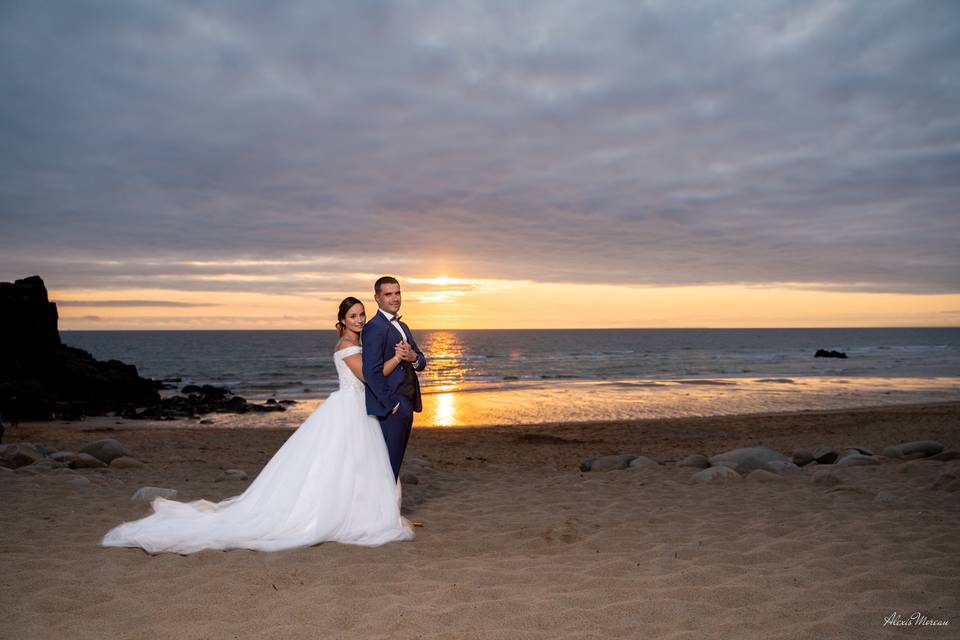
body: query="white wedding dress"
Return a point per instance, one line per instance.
(330, 481)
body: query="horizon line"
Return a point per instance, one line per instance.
(565, 328)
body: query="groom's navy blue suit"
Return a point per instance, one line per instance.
(402, 387)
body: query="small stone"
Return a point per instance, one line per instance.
(30, 470)
(802, 457)
(714, 474)
(409, 478)
(86, 461)
(78, 481)
(419, 462)
(147, 494)
(922, 448)
(826, 455)
(607, 463)
(233, 474)
(892, 452)
(126, 462)
(47, 464)
(885, 497)
(863, 450)
(780, 466)
(825, 478)
(62, 471)
(856, 459)
(106, 450)
(63, 456)
(697, 460)
(761, 475)
(643, 462)
(19, 455)
(747, 459)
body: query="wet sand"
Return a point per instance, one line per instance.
(517, 542)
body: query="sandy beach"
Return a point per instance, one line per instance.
(517, 542)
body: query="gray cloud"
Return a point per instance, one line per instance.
(633, 142)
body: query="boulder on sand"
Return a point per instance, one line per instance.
(747, 459)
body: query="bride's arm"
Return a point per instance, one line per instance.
(355, 362)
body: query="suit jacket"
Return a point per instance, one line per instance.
(380, 338)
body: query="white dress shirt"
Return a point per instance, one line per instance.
(395, 323)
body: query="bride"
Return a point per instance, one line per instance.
(330, 481)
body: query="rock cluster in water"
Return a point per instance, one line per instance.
(823, 353)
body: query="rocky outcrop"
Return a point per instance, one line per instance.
(43, 378)
(823, 353)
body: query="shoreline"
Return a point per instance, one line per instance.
(253, 422)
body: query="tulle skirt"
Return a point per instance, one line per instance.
(330, 481)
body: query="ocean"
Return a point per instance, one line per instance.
(536, 376)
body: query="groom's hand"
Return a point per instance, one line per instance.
(406, 352)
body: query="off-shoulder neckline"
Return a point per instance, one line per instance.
(353, 346)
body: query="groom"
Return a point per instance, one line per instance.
(393, 398)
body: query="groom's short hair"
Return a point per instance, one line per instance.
(382, 281)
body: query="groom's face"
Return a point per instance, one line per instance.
(389, 298)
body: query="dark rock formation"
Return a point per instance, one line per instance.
(823, 353)
(42, 378)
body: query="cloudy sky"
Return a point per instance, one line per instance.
(245, 164)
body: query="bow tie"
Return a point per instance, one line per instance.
(395, 319)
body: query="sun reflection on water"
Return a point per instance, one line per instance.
(444, 377)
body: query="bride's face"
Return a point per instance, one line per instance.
(356, 317)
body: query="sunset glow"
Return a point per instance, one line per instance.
(462, 303)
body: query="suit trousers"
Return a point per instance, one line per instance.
(396, 432)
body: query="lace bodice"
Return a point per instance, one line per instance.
(347, 379)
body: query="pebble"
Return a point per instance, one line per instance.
(802, 457)
(780, 466)
(761, 475)
(826, 455)
(607, 463)
(697, 460)
(825, 478)
(86, 461)
(714, 474)
(747, 459)
(409, 478)
(233, 474)
(855, 459)
(921, 448)
(126, 462)
(106, 449)
(19, 455)
(643, 462)
(147, 494)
